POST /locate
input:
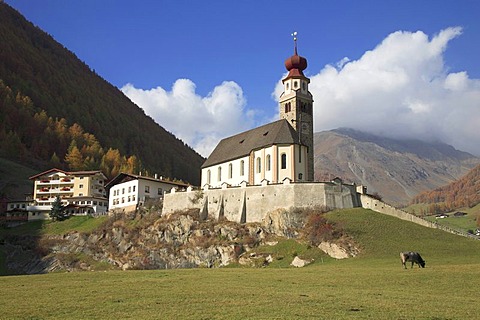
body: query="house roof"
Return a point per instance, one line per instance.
(122, 177)
(240, 145)
(67, 173)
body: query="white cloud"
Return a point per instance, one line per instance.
(199, 121)
(402, 88)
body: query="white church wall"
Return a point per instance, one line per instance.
(236, 177)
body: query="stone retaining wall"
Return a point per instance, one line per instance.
(251, 203)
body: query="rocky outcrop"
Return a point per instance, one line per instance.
(181, 240)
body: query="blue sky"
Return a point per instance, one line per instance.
(205, 70)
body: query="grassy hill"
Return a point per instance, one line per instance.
(372, 285)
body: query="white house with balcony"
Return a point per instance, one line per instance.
(82, 192)
(128, 191)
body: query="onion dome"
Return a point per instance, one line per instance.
(295, 64)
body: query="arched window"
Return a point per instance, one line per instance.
(295, 84)
(219, 173)
(259, 165)
(284, 161)
(242, 168)
(288, 85)
(230, 171)
(209, 176)
(267, 164)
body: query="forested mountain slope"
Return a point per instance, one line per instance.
(465, 192)
(36, 67)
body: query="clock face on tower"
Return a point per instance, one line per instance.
(304, 128)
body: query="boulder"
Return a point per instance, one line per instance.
(300, 263)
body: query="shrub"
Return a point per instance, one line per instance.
(318, 229)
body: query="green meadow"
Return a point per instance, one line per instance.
(372, 285)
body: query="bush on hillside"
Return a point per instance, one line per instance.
(318, 228)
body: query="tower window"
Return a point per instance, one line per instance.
(288, 107)
(295, 84)
(304, 86)
(300, 154)
(288, 86)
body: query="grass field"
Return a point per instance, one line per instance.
(370, 286)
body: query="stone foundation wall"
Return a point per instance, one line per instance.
(252, 203)
(380, 206)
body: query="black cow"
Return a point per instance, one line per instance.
(414, 257)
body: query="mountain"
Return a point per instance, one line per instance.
(61, 92)
(464, 192)
(395, 169)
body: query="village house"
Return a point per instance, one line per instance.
(81, 192)
(128, 191)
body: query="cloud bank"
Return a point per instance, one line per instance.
(400, 89)
(201, 122)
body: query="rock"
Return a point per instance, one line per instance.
(300, 263)
(281, 223)
(338, 251)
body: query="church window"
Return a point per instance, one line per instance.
(288, 107)
(230, 171)
(283, 161)
(242, 168)
(259, 165)
(267, 164)
(219, 173)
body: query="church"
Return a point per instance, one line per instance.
(268, 168)
(273, 152)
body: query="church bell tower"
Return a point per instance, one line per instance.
(296, 104)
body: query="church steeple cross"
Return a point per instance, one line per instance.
(294, 35)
